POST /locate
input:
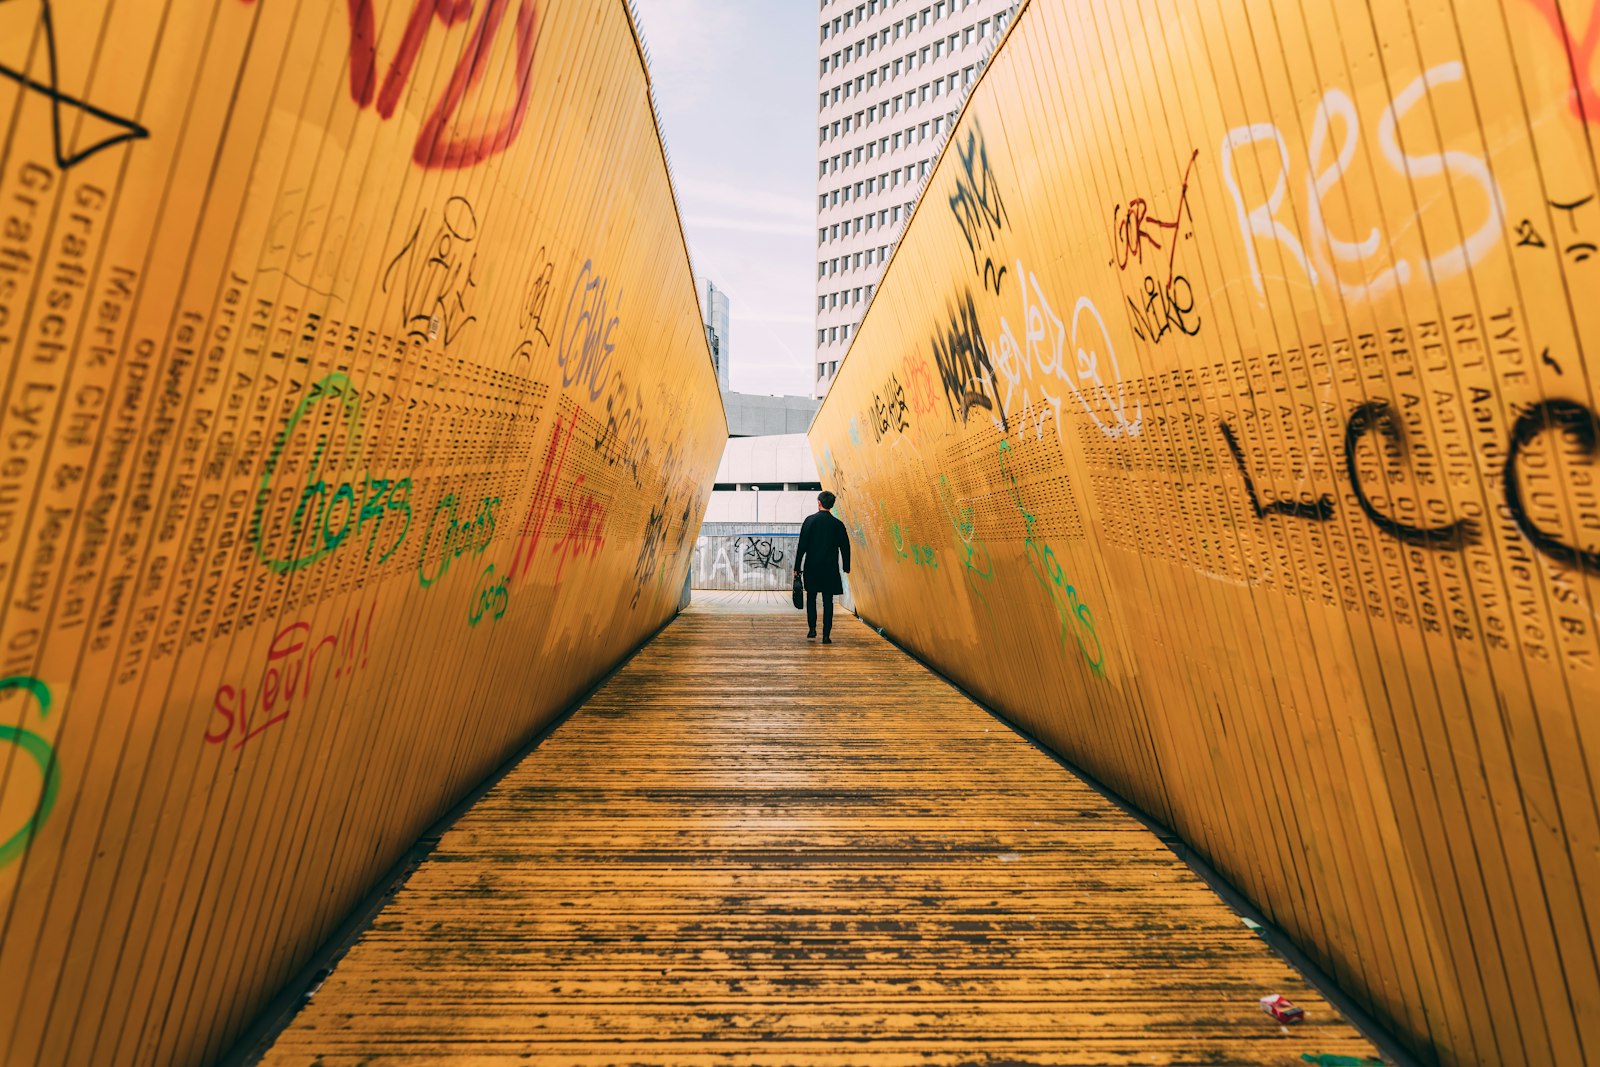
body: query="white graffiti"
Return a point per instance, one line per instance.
(1039, 363)
(1323, 251)
(740, 562)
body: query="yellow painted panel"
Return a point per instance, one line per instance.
(357, 417)
(1225, 419)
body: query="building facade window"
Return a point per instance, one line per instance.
(870, 73)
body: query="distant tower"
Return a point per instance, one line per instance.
(714, 313)
(892, 75)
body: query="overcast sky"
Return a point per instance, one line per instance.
(736, 84)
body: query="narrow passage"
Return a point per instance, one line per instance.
(751, 849)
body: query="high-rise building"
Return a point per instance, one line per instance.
(892, 74)
(714, 313)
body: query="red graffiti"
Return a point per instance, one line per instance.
(1580, 56)
(578, 516)
(585, 527)
(533, 524)
(290, 674)
(1130, 224)
(918, 383)
(438, 145)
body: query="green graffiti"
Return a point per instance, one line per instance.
(1074, 615)
(1330, 1059)
(457, 538)
(961, 519)
(379, 496)
(489, 597)
(904, 548)
(42, 754)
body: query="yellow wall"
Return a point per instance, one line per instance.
(1224, 418)
(357, 417)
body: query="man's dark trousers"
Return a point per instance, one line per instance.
(811, 612)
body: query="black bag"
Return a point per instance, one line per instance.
(799, 592)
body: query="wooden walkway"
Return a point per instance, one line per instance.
(744, 602)
(753, 849)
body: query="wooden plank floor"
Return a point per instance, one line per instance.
(743, 602)
(753, 849)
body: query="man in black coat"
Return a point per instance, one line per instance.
(823, 540)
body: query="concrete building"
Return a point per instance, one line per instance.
(751, 415)
(714, 313)
(764, 489)
(767, 482)
(765, 479)
(892, 75)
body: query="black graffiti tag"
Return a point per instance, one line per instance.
(1319, 510)
(964, 366)
(977, 206)
(889, 409)
(1378, 415)
(66, 160)
(761, 554)
(436, 277)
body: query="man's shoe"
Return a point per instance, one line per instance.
(810, 634)
(827, 640)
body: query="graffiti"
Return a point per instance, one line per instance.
(290, 674)
(1377, 415)
(1318, 263)
(435, 279)
(43, 755)
(977, 207)
(741, 561)
(625, 438)
(1164, 308)
(584, 535)
(920, 396)
(962, 521)
(1073, 615)
(1042, 352)
(896, 533)
(904, 548)
(1341, 368)
(761, 554)
(843, 506)
(268, 446)
(456, 538)
(537, 518)
(1580, 56)
(127, 130)
(578, 514)
(964, 367)
(1319, 510)
(712, 560)
(531, 323)
(310, 247)
(586, 346)
(1582, 426)
(488, 596)
(693, 508)
(1130, 222)
(437, 145)
(644, 567)
(324, 516)
(1402, 520)
(1578, 251)
(889, 414)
